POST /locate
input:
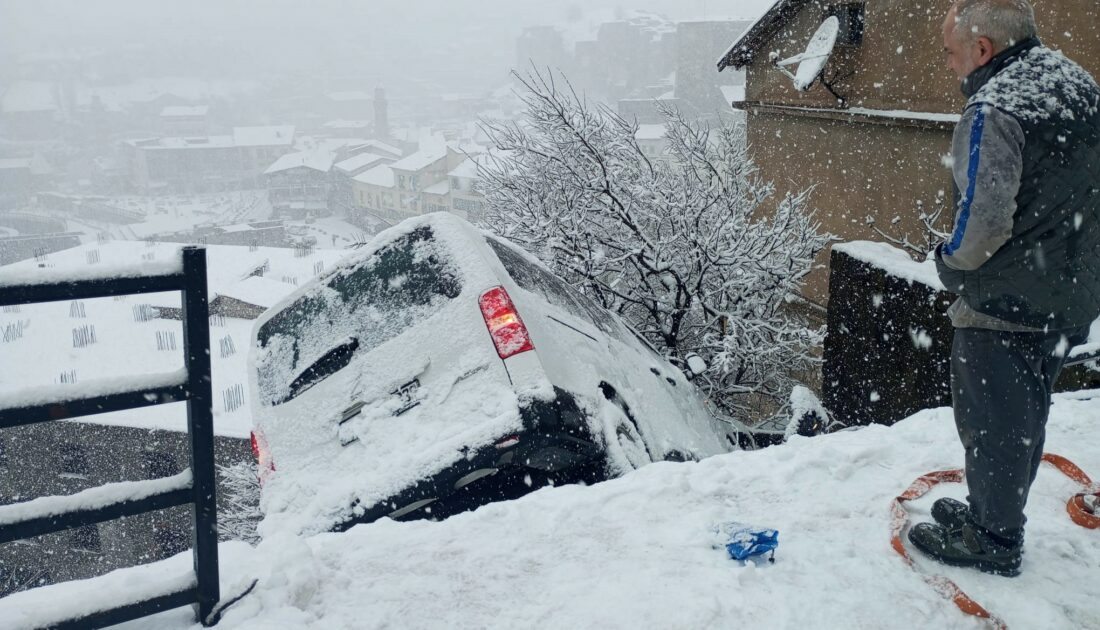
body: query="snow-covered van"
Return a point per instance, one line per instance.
(440, 359)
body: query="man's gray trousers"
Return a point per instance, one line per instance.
(1001, 383)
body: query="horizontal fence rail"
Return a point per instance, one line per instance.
(112, 501)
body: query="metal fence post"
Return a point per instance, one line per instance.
(200, 424)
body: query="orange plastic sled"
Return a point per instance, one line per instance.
(1078, 510)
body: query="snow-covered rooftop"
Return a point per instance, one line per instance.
(276, 135)
(442, 188)
(358, 162)
(381, 175)
(316, 160)
(347, 124)
(732, 93)
(651, 132)
(258, 290)
(467, 169)
(421, 159)
(184, 111)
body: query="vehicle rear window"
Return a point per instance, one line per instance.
(356, 309)
(540, 282)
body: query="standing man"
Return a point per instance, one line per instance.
(1024, 259)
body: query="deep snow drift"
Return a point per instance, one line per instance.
(637, 552)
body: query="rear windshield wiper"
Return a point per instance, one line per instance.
(330, 363)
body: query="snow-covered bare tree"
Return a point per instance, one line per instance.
(689, 247)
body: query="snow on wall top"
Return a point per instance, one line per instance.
(33, 272)
(893, 261)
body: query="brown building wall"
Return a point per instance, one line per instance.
(883, 168)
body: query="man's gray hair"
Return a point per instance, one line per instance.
(1004, 22)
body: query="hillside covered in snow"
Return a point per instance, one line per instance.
(641, 551)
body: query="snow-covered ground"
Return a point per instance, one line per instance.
(639, 552)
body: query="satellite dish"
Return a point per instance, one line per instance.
(812, 62)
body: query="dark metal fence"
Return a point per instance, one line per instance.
(193, 386)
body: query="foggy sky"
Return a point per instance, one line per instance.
(451, 42)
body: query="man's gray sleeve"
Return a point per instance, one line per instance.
(988, 164)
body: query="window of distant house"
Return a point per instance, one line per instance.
(74, 459)
(86, 538)
(851, 16)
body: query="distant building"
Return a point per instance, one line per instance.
(20, 177)
(375, 193)
(31, 111)
(185, 120)
(877, 154)
(299, 185)
(466, 201)
(206, 163)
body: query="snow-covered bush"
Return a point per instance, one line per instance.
(240, 486)
(689, 247)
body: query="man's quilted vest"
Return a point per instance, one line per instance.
(1048, 274)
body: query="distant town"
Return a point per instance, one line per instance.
(91, 153)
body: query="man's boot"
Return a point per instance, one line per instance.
(950, 513)
(968, 545)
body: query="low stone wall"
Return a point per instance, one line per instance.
(888, 346)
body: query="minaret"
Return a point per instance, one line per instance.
(381, 115)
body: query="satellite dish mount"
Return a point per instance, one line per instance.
(811, 62)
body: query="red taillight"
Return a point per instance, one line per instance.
(505, 326)
(260, 451)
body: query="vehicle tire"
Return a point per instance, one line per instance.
(626, 451)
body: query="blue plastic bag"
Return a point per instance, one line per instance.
(746, 541)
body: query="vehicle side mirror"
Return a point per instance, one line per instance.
(695, 364)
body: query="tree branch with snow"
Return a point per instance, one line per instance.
(691, 248)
